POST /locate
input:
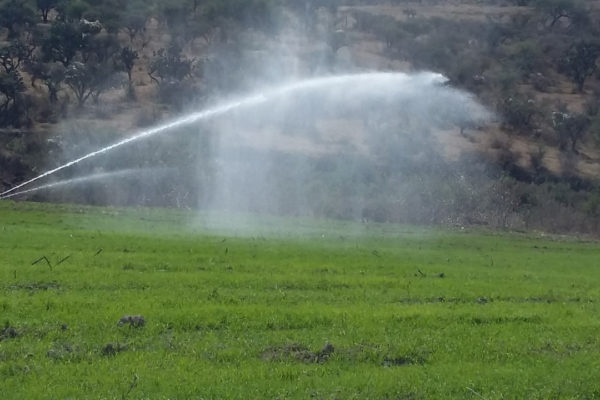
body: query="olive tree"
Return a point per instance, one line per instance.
(570, 127)
(579, 61)
(88, 80)
(45, 6)
(14, 15)
(11, 87)
(126, 62)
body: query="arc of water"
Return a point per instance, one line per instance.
(82, 179)
(224, 108)
(179, 122)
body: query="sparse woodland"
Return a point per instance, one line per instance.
(74, 64)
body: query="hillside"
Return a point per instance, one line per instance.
(532, 63)
(557, 91)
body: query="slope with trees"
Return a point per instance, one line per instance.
(534, 62)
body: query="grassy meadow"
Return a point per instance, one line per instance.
(298, 309)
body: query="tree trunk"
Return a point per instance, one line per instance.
(574, 145)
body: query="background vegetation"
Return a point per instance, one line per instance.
(70, 66)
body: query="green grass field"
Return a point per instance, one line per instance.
(302, 309)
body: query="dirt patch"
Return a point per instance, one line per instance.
(36, 286)
(61, 352)
(409, 359)
(504, 320)
(136, 321)
(382, 355)
(297, 352)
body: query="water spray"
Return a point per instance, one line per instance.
(84, 179)
(251, 100)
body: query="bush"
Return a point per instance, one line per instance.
(540, 82)
(519, 112)
(527, 56)
(570, 127)
(595, 129)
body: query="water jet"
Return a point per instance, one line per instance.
(253, 99)
(276, 154)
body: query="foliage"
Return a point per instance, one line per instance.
(170, 65)
(14, 55)
(11, 87)
(11, 84)
(595, 129)
(557, 10)
(527, 56)
(592, 205)
(570, 127)
(71, 10)
(16, 15)
(87, 80)
(172, 71)
(53, 77)
(126, 62)
(579, 61)
(101, 49)
(258, 14)
(133, 21)
(519, 112)
(82, 37)
(45, 6)
(63, 43)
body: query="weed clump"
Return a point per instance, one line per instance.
(64, 352)
(8, 332)
(37, 286)
(112, 349)
(137, 321)
(408, 359)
